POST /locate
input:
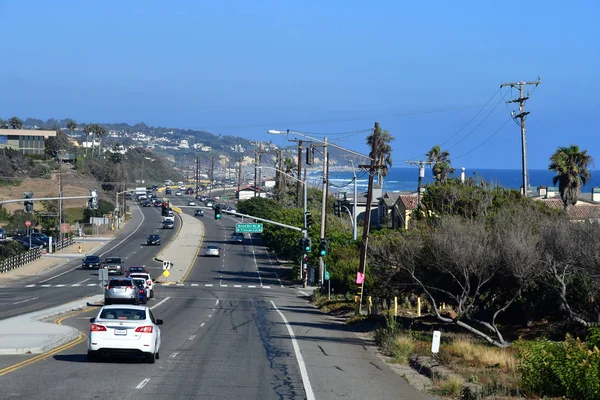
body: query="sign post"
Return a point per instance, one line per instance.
(102, 277)
(435, 342)
(327, 278)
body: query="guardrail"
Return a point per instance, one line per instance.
(19, 260)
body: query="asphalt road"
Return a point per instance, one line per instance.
(224, 337)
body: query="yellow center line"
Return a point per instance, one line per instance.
(81, 338)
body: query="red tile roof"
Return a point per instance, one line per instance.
(409, 201)
(581, 211)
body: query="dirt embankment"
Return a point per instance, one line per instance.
(74, 184)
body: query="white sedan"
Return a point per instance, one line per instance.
(124, 329)
(178, 194)
(192, 203)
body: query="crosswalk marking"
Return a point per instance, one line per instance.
(61, 285)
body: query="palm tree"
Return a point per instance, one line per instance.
(100, 132)
(71, 126)
(290, 168)
(441, 164)
(571, 167)
(87, 131)
(381, 151)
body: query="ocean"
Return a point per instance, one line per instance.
(403, 179)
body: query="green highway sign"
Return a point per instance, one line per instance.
(327, 276)
(249, 228)
(225, 198)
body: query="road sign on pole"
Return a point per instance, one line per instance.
(167, 265)
(327, 276)
(249, 228)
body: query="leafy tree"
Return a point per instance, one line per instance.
(571, 167)
(441, 164)
(58, 143)
(71, 126)
(15, 123)
(3, 124)
(115, 154)
(381, 151)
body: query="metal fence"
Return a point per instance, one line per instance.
(19, 260)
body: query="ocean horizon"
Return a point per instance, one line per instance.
(405, 179)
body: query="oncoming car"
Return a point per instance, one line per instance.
(124, 330)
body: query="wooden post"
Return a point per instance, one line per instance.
(395, 306)
(419, 306)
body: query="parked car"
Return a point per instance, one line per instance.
(114, 265)
(237, 237)
(2, 234)
(153, 240)
(24, 241)
(124, 330)
(90, 262)
(149, 281)
(143, 289)
(122, 290)
(42, 237)
(212, 250)
(199, 213)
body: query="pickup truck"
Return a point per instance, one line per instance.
(114, 265)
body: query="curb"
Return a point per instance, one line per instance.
(66, 338)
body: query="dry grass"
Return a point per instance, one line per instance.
(450, 387)
(471, 351)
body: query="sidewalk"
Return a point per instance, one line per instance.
(183, 250)
(49, 261)
(27, 334)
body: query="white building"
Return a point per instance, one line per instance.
(184, 144)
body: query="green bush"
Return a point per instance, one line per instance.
(570, 368)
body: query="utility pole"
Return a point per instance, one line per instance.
(300, 170)
(373, 168)
(280, 175)
(212, 171)
(522, 116)
(239, 176)
(255, 170)
(323, 207)
(259, 165)
(60, 194)
(421, 165)
(197, 176)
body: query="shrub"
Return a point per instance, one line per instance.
(570, 368)
(451, 386)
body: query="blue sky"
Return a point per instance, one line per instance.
(421, 69)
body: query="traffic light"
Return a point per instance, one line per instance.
(306, 243)
(337, 209)
(28, 205)
(93, 200)
(165, 209)
(310, 155)
(309, 220)
(218, 212)
(323, 247)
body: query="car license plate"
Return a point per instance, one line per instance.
(121, 332)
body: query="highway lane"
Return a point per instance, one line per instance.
(224, 341)
(70, 282)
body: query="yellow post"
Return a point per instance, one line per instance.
(79, 249)
(395, 306)
(370, 304)
(419, 306)
(357, 305)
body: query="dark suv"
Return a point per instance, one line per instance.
(114, 265)
(90, 262)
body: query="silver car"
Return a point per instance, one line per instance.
(212, 250)
(114, 265)
(121, 290)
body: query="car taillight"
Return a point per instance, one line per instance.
(141, 290)
(144, 329)
(97, 328)
(130, 287)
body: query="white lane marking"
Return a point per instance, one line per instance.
(303, 293)
(46, 285)
(25, 301)
(192, 337)
(91, 284)
(194, 284)
(60, 285)
(208, 284)
(251, 286)
(159, 303)
(237, 285)
(209, 315)
(202, 324)
(266, 287)
(174, 355)
(223, 285)
(305, 381)
(255, 263)
(128, 236)
(217, 303)
(142, 383)
(75, 285)
(85, 280)
(179, 284)
(30, 285)
(73, 269)
(271, 263)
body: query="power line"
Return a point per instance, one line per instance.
(485, 141)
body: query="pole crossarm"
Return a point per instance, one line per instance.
(45, 198)
(284, 173)
(295, 228)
